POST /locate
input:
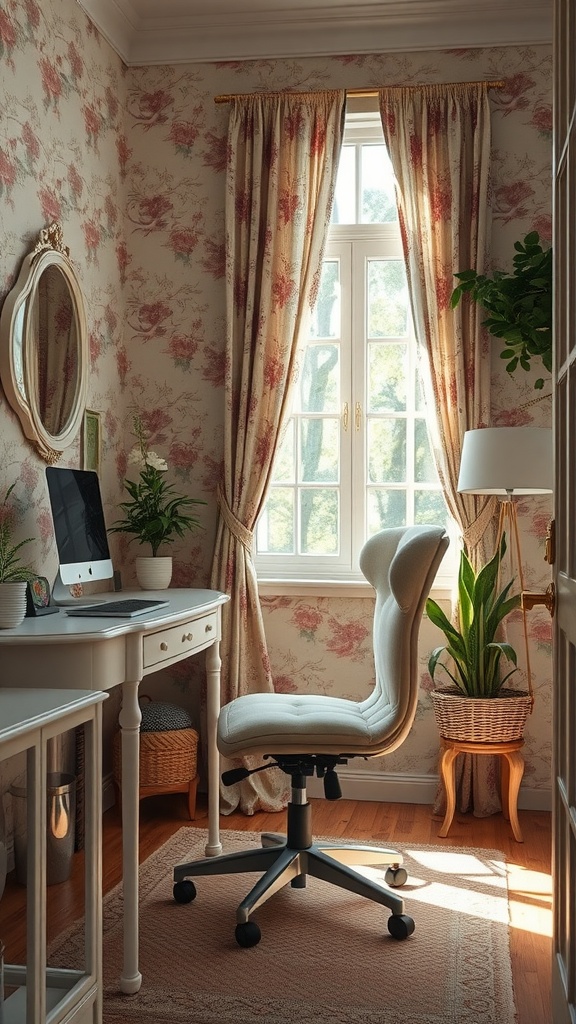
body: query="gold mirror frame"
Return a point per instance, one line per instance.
(23, 334)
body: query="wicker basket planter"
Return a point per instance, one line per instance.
(481, 719)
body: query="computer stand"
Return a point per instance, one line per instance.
(61, 595)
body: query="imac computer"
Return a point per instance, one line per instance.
(80, 530)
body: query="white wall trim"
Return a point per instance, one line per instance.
(384, 787)
(325, 29)
(410, 789)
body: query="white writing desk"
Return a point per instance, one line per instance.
(70, 652)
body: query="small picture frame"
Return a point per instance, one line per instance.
(38, 597)
(92, 441)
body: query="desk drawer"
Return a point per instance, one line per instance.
(188, 637)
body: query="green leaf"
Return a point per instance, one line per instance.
(518, 304)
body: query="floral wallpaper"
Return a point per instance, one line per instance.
(131, 162)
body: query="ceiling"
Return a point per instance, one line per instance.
(184, 31)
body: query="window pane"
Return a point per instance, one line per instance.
(276, 524)
(387, 376)
(430, 508)
(424, 466)
(386, 451)
(319, 450)
(325, 320)
(387, 299)
(344, 209)
(386, 509)
(319, 521)
(319, 380)
(378, 196)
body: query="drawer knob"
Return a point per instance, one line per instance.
(188, 637)
(163, 646)
(208, 628)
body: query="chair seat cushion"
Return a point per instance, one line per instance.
(282, 723)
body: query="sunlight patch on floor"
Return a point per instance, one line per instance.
(530, 896)
(484, 887)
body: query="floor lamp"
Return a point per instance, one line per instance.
(508, 462)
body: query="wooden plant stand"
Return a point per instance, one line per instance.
(512, 772)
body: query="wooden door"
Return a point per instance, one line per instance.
(564, 758)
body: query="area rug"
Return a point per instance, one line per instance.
(325, 956)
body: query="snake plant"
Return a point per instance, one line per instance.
(472, 646)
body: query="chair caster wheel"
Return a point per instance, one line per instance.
(184, 892)
(395, 877)
(248, 934)
(400, 926)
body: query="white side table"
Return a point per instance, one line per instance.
(37, 994)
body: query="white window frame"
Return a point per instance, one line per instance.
(327, 574)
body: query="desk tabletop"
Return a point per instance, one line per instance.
(22, 710)
(61, 628)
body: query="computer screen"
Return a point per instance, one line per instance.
(79, 525)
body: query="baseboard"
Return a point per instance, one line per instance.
(382, 786)
(410, 789)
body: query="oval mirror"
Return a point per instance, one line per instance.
(43, 347)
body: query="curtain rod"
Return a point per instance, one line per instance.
(361, 93)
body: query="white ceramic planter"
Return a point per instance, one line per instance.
(154, 573)
(12, 604)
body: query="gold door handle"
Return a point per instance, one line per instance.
(345, 416)
(550, 553)
(548, 599)
(358, 415)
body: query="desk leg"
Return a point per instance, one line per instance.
(130, 718)
(213, 663)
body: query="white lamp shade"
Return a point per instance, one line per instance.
(505, 460)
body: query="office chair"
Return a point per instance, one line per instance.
(303, 735)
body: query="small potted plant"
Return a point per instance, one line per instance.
(519, 304)
(155, 514)
(14, 576)
(477, 707)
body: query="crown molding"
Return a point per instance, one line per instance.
(392, 25)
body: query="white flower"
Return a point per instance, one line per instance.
(137, 458)
(156, 462)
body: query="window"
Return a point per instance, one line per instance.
(355, 455)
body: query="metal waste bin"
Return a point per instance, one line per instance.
(60, 827)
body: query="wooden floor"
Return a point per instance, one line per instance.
(528, 864)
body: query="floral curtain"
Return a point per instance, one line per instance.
(439, 139)
(283, 153)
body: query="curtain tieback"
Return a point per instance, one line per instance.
(475, 530)
(237, 529)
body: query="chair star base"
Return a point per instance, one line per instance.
(291, 859)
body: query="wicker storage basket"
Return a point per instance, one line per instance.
(167, 758)
(481, 719)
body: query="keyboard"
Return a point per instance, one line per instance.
(128, 607)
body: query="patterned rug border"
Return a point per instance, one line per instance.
(178, 1006)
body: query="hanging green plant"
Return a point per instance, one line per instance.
(519, 304)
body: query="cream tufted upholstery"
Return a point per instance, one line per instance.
(306, 733)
